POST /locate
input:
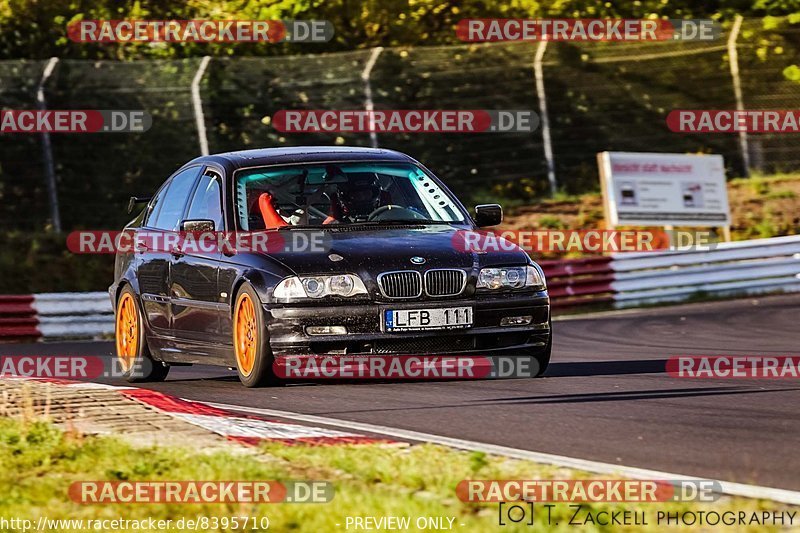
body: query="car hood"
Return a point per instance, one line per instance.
(374, 250)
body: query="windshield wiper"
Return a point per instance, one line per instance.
(412, 222)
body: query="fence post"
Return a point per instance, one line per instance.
(47, 147)
(545, 122)
(733, 60)
(368, 104)
(197, 104)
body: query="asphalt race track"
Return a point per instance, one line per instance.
(606, 396)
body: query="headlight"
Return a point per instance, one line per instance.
(510, 278)
(319, 286)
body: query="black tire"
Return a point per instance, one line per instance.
(543, 358)
(261, 373)
(138, 366)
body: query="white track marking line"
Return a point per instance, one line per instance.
(728, 487)
(261, 429)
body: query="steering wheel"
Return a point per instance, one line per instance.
(395, 212)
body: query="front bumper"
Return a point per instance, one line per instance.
(365, 336)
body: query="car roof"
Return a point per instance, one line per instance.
(232, 161)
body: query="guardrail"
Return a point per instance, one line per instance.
(621, 280)
(574, 282)
(735, 268)
(55, 315)
(18, 319)
(630, 279)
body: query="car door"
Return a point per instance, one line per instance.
(194, 294)
(153, 269)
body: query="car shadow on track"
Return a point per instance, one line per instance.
(576, 398)
(570, 398)
(555, 370)
(606, 368)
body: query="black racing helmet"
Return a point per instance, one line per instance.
(361, 194)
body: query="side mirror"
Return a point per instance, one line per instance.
(197, 225)
(137, 200)
(488, 215)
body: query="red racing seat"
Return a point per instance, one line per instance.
(268, 212)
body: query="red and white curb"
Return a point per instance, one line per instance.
(247, 429)
(237, 427)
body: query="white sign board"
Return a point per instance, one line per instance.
(644, 189)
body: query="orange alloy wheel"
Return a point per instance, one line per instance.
(245, 334)
(127, 331)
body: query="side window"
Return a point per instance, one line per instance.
(207, 201)
(174, 201)
(155, 203)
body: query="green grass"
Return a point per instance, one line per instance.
(780, 195)
(765, 178)
(551, 222)
(39, 462)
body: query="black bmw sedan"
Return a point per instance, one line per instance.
(357, 256)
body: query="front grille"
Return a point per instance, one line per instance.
(426, 345)
(405, 284)
(444, 282)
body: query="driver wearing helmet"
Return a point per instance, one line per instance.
(356, 199)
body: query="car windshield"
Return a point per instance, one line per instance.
(342, 193)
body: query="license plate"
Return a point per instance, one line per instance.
(419, 319)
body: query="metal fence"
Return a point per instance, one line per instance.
(599, 96)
